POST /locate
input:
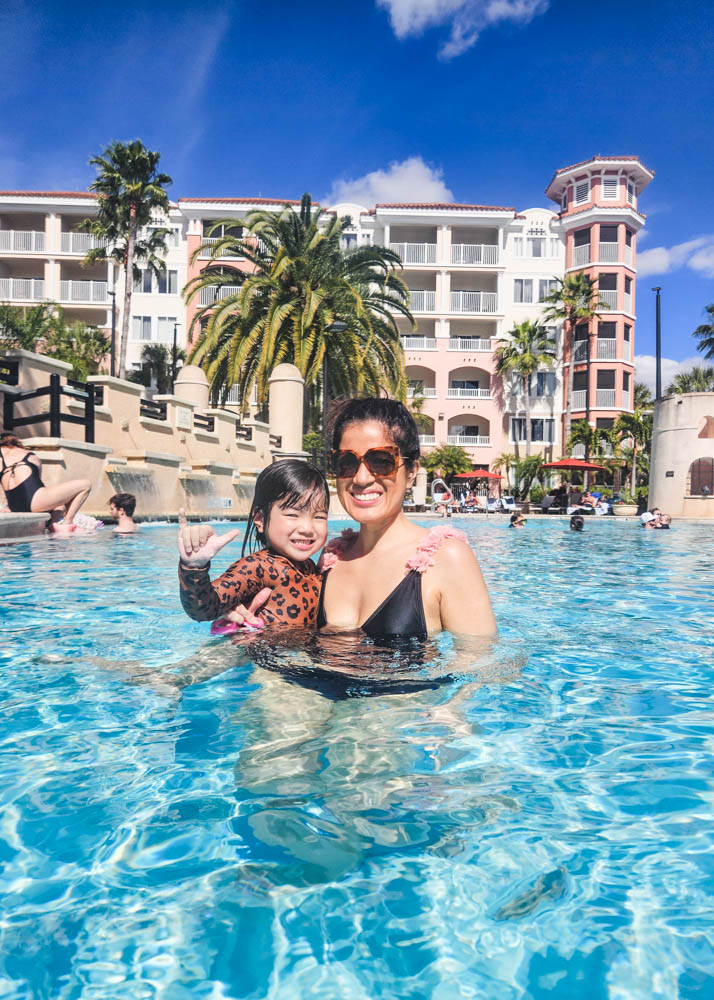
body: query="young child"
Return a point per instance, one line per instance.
(287, 525)
(122, 507)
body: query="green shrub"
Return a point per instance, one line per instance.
(537, 493)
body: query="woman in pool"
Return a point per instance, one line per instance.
(393, 578)
(25, 492)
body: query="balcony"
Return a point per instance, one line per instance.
(21, 289)
(628, 303)
(452, 393)
(421, 300)
(80, 243)
(427, 439)
(212, 293)
(83, 291)
(580, 350)
(468, 441)
(428, 392)
(581, 255)
(628, 255)
(415, 253)
(419, 343)
(469, 344)
(626, 400)
(579, 396)
(605, 399)
(606, 348)
(627, 352)
(609, 253)
(578, 451)
(608, 297)
(207, 244)
(474, 253)
(474, 302)
(18, 241)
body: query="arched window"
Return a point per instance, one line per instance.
(701, 477)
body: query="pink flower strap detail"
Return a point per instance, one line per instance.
(334, 549)
(423, 558)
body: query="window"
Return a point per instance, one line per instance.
(606, 379)
(581, 238)
(628, 286)
(535, 246)
(628, 237)
(605, 423)
(552, 334)
(348, 241)
(541, 384)
(464, 384)
(172, 238)
(517, 246)
(143, 282)
(225, 229)
(625, 381)
(564, 201)
(608, 234)
(166, 329)
(628, 332)
(582, 192)
(609, 188)
(607, 330)
(523, 290)
(545, 287)
(168, 283)
(541, 429)
(142, 327)
(701, 477)
(631, 192)
(554, 247)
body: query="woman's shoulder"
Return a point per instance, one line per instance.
(335, 548)
(443, 540)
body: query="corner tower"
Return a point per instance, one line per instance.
(599, 222)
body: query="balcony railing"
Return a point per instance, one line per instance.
(626, 400)
(580, 350)
(427, 439)
(457, 393)
(628, 255)
(609, 253)
(21, 289)
(427, 391)
(606, 348)
(422, 300)
(208, 242)
(469, 344)
(17, 241)
(579, 396)
(415, 253)
(474, 253)
(474, 302)
(83, 291)
(605, 398)
(80, 242)
(609, 298)
(468, 441)
(212, 293)
(578, 451)
(628, 303)
(627, 352)
(581, 255)
(419, 343)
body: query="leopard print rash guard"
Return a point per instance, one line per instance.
(294, 600)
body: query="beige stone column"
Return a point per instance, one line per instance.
(285, 410)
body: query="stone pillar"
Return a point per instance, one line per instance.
(419, 487)
(285, 410)
(192, 386)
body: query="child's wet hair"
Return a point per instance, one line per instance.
(290, 484)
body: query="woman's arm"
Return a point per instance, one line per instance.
(465, 605)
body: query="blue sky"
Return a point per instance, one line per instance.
(470, 100)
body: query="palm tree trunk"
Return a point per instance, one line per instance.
(569, 391)
(527, 407)
(128, 288)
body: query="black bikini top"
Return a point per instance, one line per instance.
(401, 613)
(25, 460)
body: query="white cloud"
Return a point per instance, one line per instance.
(410, 180)
(466, 18)
(645, 369)
(696, 254)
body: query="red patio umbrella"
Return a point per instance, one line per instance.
(576, 464)
(477, 474)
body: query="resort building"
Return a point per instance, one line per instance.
(473, 271)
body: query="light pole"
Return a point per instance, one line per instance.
(337, 326)
(113, 296)
(174, 358)
(658, 343)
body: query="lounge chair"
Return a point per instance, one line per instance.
(509, 505)
(549, 505)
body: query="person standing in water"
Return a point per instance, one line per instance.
(122, 507)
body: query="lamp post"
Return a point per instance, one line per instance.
(337, 326)
(112, 368)
(658, 343)
(173, 358)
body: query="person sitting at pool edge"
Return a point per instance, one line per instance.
(517, 521)
(122, 507)
(577, 522)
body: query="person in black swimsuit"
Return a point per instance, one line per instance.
(25, 492)
(393, 578)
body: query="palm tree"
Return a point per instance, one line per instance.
(643, 396)
(447, 460)
(156, 365)
(526, 349)
(637, 428)
(576, 300)
(26, 326)
(698, 379)
(520, 472)
(705, 334)
(84, 347)
(301, 283)
(130, 189)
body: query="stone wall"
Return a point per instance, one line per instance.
(683, 432)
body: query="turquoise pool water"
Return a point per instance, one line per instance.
(548, 833)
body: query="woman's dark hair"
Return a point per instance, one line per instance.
(576, 523)
(8, 440)
(289, 484)
(395, 417)
(514, 518)
(125, 502)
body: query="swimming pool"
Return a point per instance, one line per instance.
(548, 835)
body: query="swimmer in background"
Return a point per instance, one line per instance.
(287, 525)
(121, 508)
(517, 521)
(577, 522)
